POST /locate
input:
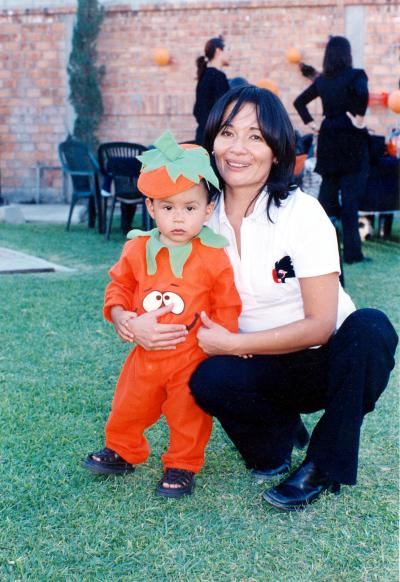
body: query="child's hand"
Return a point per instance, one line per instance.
(152, 335)
(120, 319)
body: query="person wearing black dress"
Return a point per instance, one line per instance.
(211, 82)
(342, 152)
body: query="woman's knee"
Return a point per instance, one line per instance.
(365, 338)
(224, 382)
(371, 325)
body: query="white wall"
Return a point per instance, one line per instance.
(354, 32)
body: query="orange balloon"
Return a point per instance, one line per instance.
(293, 55)
(162, 57)
(268, 84)
(394, 101)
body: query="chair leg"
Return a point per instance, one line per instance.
(71, 208)
(105, 208)
(127, 216)
(109, 225)
(92, 211)
(147, 222)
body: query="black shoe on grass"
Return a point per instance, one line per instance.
(180, 477)
(108, 462)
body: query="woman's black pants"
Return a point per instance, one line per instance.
(352, 189)
(258, 400)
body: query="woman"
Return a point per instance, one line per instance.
(211, 82)
(284, 253)
(342, 153)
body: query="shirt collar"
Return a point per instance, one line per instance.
(259, 213)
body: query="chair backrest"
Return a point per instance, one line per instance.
(77, 161)
(118, 160)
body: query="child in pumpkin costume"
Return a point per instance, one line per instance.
(180, 263)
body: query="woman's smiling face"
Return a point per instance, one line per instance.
(242, 155)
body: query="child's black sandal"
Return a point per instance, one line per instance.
(109, 463)
(184, 479)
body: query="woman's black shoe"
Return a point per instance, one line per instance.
(301, 488)
(301, 439)
(265, 474)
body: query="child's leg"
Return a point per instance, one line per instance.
(190, 427)
(136, 405)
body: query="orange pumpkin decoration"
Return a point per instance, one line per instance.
(293, 55)
(268, 84)
(162, 57)
(394, 101)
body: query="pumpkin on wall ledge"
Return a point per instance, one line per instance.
(162, 57)
(293, 55)
(268, 84)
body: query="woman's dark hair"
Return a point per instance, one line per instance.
(211, 194)
(209, 52)
(337, 57)
(275, 127)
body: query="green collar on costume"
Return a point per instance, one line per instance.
(178, 254)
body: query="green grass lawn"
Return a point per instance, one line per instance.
(59, 365)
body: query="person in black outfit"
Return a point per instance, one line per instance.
(327, 355)
(342, 152)
(211, 82)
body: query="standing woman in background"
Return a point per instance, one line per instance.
(211, 82)
(342, 153)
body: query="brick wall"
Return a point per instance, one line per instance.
(141, 99)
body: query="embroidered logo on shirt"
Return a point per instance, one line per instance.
(283, 270)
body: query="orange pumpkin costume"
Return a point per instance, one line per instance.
(156, 382)
(194, 277)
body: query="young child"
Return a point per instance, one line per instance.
(182, 264)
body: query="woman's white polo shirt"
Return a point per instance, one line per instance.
(299, 242)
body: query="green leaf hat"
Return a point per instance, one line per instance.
(171, 168)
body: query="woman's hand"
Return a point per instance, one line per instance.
(214, 339)
(357, 120)
(313, 127)
(151, 335)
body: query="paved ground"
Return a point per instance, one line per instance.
(15, 262)
(52, 213)
(12, 262)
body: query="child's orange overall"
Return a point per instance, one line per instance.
(153, 383)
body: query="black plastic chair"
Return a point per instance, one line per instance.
(118, 163)
(81, 165)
